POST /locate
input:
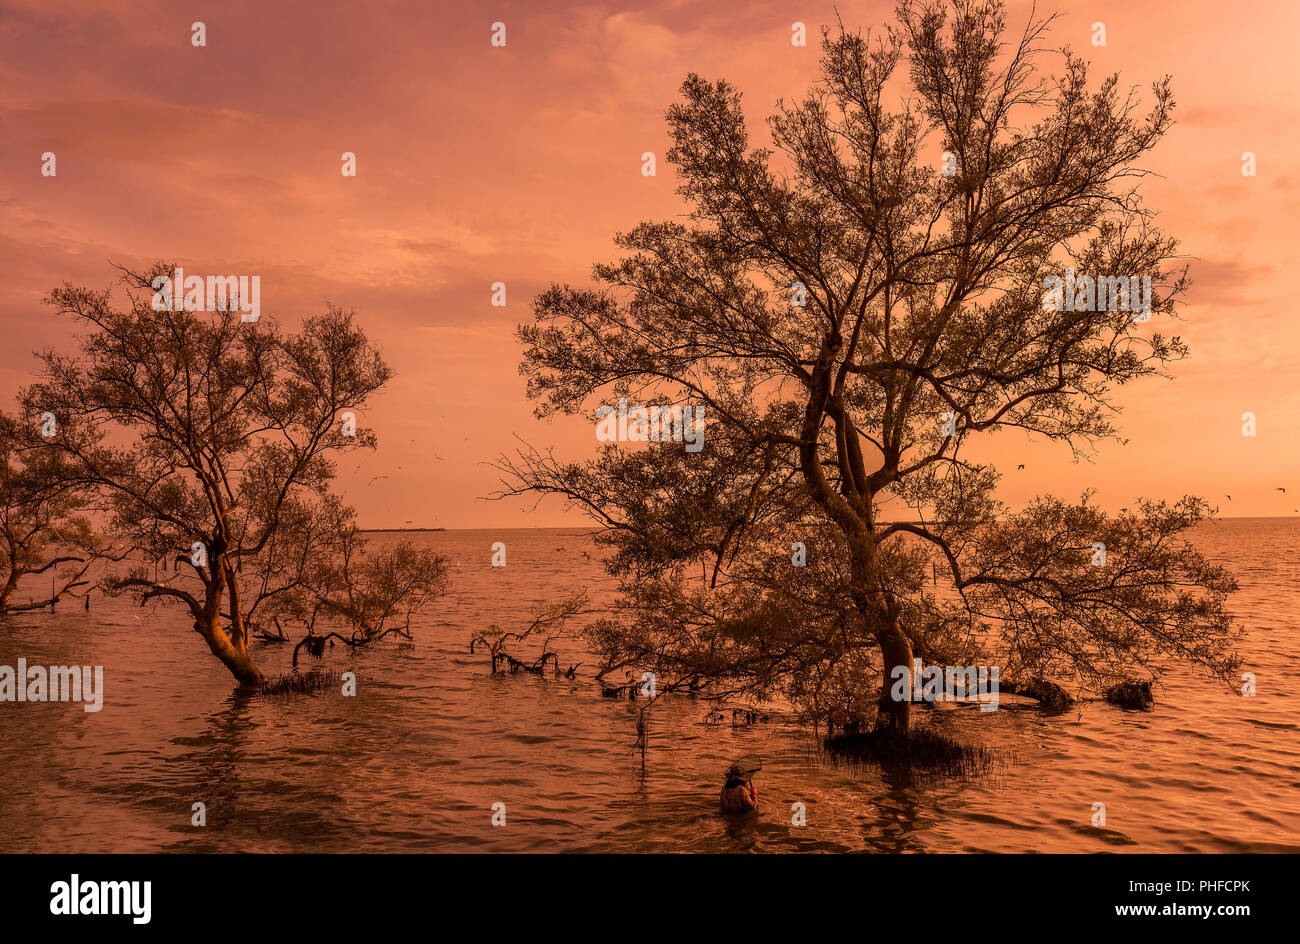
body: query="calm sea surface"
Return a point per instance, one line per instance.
(415, 761)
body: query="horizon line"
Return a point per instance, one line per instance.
(574, 527)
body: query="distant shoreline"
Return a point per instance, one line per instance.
(401, 530)
(571, 527)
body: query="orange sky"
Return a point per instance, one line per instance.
(479, 164)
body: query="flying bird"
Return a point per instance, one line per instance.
(1281, 489)
(372, 481)
(1019, 467)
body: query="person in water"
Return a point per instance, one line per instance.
(738, 793)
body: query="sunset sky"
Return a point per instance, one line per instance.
(478, 164)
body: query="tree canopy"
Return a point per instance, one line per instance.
(854, 305)
(210, 441)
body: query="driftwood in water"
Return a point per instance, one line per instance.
(315, 643)
(738, 716)
(266, 636)
(536, 667)
(1130, 694)
(632, 689)
(549, 620)
(1051, 697)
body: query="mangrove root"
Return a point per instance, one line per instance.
(919, 749)
(295, 683)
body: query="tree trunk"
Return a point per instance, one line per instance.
(233, 657)
(230, 647)
(895, 652)
(16, 573)
(238, 631)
